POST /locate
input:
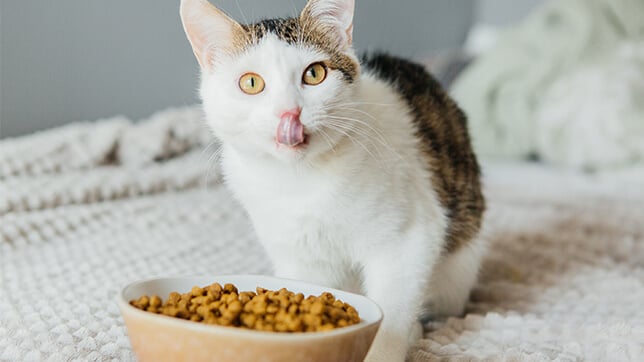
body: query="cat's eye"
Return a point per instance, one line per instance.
(314, 74)
(251, 83)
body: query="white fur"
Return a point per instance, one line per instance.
(355, 209)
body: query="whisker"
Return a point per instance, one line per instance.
(355, 141)
(241, 12)
(346, 129)
(293, 9)
(357, 110)
(211, 163)
(366, 134)
(328, 140)
(360, 103)
(376, 132)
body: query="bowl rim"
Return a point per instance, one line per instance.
(125, 306)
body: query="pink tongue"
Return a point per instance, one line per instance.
(290, 132)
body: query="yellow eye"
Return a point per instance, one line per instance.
(314, 74)
(251, 83)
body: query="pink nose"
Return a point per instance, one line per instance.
(290, 131)
(291, 114)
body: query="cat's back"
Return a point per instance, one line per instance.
(441, 128)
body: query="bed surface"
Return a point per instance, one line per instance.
(88, 208)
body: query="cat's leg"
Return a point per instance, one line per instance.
(416, 333)
(452, 280)
(332, 276)
(395, 278)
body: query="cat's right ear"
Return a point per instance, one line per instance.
(209, 30)
(335, 18)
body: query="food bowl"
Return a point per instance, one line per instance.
(157, 337)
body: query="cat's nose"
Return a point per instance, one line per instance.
(290, 131)
(293, 113)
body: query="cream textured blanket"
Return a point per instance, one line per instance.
(88, 208)
(565, 85)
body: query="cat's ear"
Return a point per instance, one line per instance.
(335, 17)
(209, 30)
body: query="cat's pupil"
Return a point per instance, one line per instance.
(312, 71)
(252, 82)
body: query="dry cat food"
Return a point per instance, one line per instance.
(263, 310)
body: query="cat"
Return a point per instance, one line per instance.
(356, 174)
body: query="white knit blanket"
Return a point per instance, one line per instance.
(90, 207)
(565, 85)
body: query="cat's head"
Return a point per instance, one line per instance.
(275, 87)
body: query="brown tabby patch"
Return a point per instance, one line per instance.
(442, 129)
(299, 31)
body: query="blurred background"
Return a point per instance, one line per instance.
(559, 81)
(73, 60)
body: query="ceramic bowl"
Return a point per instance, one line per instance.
(160, 338)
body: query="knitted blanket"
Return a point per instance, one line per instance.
(88, 208)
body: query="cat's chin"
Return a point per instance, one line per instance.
(308, 151)
(291, 154)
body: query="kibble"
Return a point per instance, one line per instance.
(262, 310)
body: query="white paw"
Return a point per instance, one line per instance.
(387, 351)
(416, 333)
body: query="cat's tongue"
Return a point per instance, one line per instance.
(290, 131)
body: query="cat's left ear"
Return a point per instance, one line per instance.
(335, 17)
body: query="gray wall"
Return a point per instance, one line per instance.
(70, 60)
(504, 12)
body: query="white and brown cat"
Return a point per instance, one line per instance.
(356, 174)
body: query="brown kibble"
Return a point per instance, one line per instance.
(292, 309)
(215, 288)
(192, 308)
(272, 309)
(224, 321)
(235, 306)
(245, 297)
(317, 308)
(229, 288)
(141, 303)
(311, 320)
(155, 301)
(263, 310)
(174, 298)
(327, 298)
(196, 291)
(283, 301)
(203, 310)
(248, 320)
(205, 299)
(259, 307)
(299, 297)
(153, 310)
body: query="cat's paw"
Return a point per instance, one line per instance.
(416, 333)
(387, 352)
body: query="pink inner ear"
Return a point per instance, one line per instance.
(350, 34)
(208, 29)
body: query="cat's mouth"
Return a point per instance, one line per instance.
(296, 146)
